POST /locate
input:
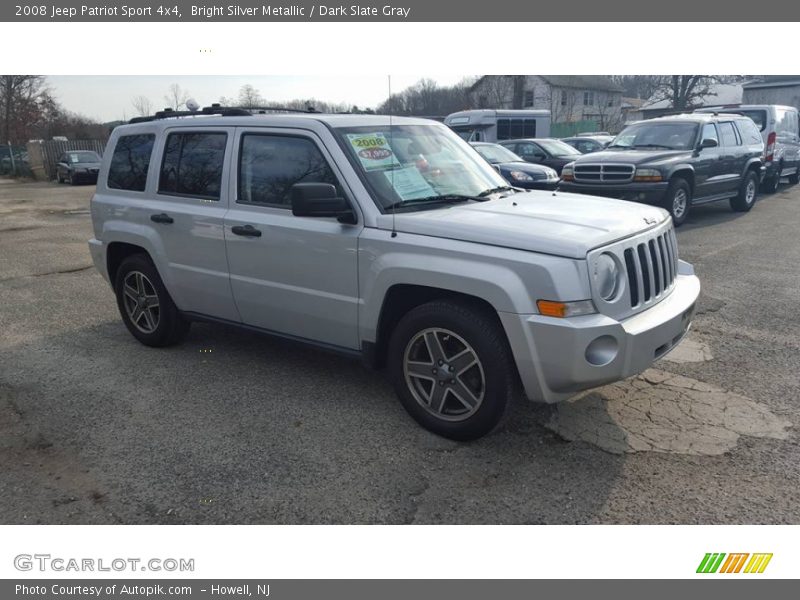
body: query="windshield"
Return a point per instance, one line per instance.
(83, 157)
(497, 154)
(558, 148)
(412, 165)
(668, 136)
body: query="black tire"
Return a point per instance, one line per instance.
(73, 180)
(771, 183)
(170, 326)
(491, 380)
(748, 193)
(678, 186)
(794, 178)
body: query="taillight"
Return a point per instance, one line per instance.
(769, 151)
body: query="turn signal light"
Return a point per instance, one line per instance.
(551, 308)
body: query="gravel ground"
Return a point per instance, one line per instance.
(231, 427)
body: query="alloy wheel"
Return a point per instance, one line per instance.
(141, 302)
(444, 374)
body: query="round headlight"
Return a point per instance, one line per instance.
(606, 276)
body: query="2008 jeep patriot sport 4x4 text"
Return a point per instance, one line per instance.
(388, 238)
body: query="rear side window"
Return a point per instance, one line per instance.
(269, 165)
(130, 162)
(749, 131)
(192, 164)
(759, 117)
(728, 134)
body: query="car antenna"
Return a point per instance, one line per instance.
(391, 148)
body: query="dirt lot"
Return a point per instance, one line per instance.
(230, 427)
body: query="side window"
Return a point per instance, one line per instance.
(529, 128)
(130, 162)
(192, 164)
(728, 134)
(269, 165)
(503, 129)
(710, 132)
(749, 132)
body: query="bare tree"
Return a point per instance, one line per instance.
(684, 91)
(250, 97)
(20, 96)
(142, 106)
(176, 96)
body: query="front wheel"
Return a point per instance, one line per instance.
(677, 200)
(748, 192)
(452, 368)
(145, 305)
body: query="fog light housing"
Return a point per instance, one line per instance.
(602, 350)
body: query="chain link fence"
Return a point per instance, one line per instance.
(14, 162)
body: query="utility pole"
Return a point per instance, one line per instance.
(11, 154)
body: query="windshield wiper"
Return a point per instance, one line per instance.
(428, 200)
(502, 188)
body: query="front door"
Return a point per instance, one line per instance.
(296, 276)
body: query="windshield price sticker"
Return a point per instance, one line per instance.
(373, 150)
(409, 183)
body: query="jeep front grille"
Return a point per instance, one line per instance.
(603, 173)
(652, 266)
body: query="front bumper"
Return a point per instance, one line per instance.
(648, 193)
(557, 358)
(538, 184)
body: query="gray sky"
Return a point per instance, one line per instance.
(108, 97)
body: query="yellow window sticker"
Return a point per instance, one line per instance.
(373, 150)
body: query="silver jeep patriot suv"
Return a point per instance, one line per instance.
(390, 239)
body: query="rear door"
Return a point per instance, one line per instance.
(296, 276)
(188, 213)
(734, 157)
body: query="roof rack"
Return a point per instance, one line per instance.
(218, 110)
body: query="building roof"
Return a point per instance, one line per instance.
(718, 93)
(770, 81)
(590, 82)
(584, 82)
(632, 102)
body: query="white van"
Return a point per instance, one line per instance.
(780, 130)
(489, 125)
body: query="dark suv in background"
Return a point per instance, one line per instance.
(676, 162)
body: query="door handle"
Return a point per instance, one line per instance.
(162, 218)
(246, 231)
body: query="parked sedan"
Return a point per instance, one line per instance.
(544, 151)
(515, 170)
(586, 145)
(77, 166)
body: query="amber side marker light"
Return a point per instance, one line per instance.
(551, 308)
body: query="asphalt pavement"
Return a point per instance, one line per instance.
(233, 427)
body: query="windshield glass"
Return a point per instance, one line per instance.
(417, 164)
(669, 136)
(497, 154)
(83, 157)
(558, 148)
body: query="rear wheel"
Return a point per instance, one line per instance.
(748, 192)
(145, 305)
(678, 199)
(452, 368)
(771, 183)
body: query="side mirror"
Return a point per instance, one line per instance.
(708, 143)
(320, 200)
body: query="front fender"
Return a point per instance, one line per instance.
(509, 280)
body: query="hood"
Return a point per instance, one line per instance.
(525, 167)
(555, 223)
(86, 165)
(636, 157)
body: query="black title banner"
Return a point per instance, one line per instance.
(391, 10)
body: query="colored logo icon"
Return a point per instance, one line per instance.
(742, 562)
